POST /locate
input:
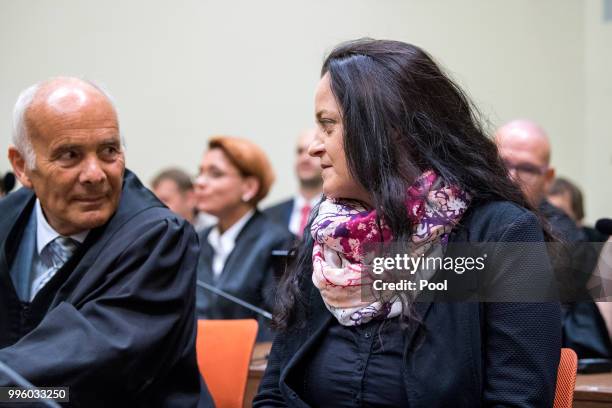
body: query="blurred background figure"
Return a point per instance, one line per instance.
(293, 213)
(566, 196)
(7, 183)
(175, 189)
(236, 255)
(525, 149)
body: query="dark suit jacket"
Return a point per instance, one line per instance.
(116, 323)
(248, 271)
(281, 212)
(584, 329)
(464, 354)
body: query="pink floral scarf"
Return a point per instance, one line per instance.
(343, 231)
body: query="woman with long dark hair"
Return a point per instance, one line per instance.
(406, 161)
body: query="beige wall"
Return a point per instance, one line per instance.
(597, 181)
(184, 70)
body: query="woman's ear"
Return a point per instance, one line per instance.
(19, 166)
(250, 188)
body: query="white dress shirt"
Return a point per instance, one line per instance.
(45, 232)
(44, 235)
(223, 244)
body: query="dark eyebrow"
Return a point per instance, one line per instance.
(111, 141)
(215, 168)
(321, 113)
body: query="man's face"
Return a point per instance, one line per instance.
(563, 201)
(527, 164)
(180, 202)
(79, 159)
(307, 168)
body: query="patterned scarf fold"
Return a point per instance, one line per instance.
(344, 230)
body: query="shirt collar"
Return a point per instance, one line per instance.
(45, 232)
(300, 201)
(228, 238)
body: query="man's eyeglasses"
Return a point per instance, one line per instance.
(526, 169)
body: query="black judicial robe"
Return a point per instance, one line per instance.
(116, 323)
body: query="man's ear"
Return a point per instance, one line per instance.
(250, 187)
(19, 166)
(549, 177)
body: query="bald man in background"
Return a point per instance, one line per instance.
(294, 212)
(525, 149)
(97, 277)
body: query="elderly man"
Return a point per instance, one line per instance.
(525, 148)
(294, 212)
(97, 278)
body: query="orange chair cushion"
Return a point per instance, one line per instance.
(224, 349)
(566, 379)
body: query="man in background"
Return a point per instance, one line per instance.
(525, 148)
(7, 182)
(566, 196)
(293, 213)
(97, 278)
(175, 189)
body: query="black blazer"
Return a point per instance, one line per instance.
(464, 354)
(584, 329)
(116, 323)
(248, 271)
(281, 212)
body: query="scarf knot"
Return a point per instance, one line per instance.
(344, 230)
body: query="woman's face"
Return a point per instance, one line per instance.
(328, 146)
(219, 187)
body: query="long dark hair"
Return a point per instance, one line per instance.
(401, 116)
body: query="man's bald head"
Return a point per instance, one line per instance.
(525, 135)
(525, 148)
(54, 97)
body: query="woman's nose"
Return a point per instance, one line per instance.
(316, 147)
(201, 180)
